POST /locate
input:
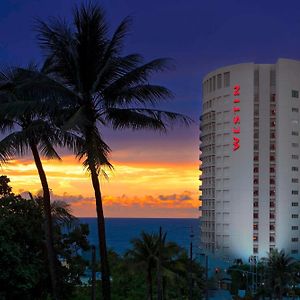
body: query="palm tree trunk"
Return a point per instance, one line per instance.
(149, 284)
(47, 220)
(105, 275)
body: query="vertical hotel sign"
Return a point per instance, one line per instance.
(236, 129)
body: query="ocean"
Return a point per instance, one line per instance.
(120, 231)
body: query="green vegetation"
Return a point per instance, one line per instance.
(23, 257)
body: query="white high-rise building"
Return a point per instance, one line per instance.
(250, 153)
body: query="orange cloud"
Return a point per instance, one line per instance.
(134, 189)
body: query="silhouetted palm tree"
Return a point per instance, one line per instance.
(108, 88)
(144, 253)
(280, 269)
(26, 99)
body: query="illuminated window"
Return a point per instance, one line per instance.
(295, 94)
(255, 226)
(226, 79)
(255, 238)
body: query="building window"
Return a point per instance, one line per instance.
(295, 216)
(294, 109)
(272, 193)
(255, 215)
(255, 250)
(294, 168)
(255, 238)
(273, 98)
(272, 135)
(294, 239)
(255, 226)
(273, 124)
(295, 204)
(272, 147)
(214, 83)
(272, 238)
(294, 156)
(272, 216)
(272, 170)
(219, 81)
(272, 227)
(255, 192)
(295, 180)
(294, 251)
(272, 204)
(295, 94)
(255, 170)
(294, 227)
(294, 192)
(256, 157)
(295, 145)
(255, 204)
(272, 158)
(255, 181)
(272, 181)
(226, 79)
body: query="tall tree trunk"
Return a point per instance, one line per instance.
(105, 275)
(149, 284)
(47, 221)
(159, 269)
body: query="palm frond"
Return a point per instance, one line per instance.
(138, 118)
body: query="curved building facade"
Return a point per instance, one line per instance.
(250, 154)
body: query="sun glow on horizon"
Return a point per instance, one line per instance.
(133, 190)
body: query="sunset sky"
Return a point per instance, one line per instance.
(155, 175)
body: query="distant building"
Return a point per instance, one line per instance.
(250, 150)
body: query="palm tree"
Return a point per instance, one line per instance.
(144, 253)
(26, 98)
(280, 269)
(109, 89)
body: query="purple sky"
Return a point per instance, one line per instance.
(199, 35)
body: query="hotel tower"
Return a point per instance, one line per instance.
(250, 159)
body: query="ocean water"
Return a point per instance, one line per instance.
(120, 231)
